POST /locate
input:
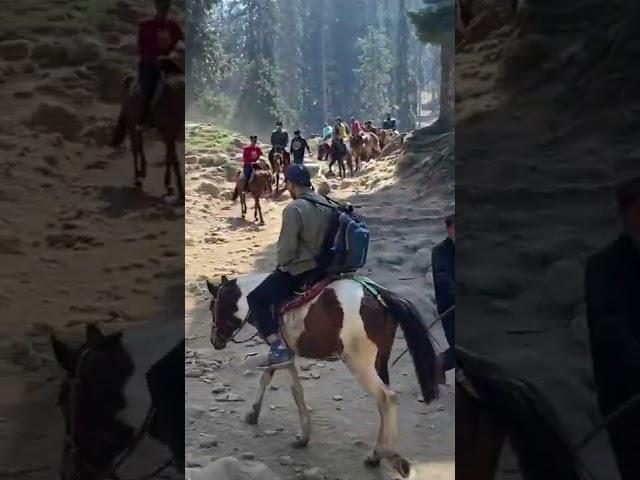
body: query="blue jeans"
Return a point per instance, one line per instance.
(247, 170)
(148, 77)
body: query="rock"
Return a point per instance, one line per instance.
(98, 133)
(324, 188)
(338, 398)
(229, 397)
(248, 456)
(208, 442)
(274, 387)
(212, 161)
(313, 474)
(230, 468)
(14, 50)
(208, 188)
(285, 460)
(53, 117)
(218, 388)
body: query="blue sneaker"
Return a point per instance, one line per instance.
(279, 357)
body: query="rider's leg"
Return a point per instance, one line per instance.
(274, 289)
(247, 170)
(148, 76)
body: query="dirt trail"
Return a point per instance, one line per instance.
(405, 216)
(76, 240)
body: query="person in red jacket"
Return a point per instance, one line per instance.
(157, 38)
(250, 155)
(356, 128)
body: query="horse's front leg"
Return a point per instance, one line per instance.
(254, 414)
(302, 438)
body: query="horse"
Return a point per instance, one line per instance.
(492, 405)
(337, 156)
(337, 316)
(279, 164)
(119, 388)
(259, 184)
(167, 114)
(364, 147)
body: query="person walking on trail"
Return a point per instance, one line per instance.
(250, 155)
(444, 279)
(279, 139)
(612, 285)
(298, 146)
(157, 38)
(327, 131)
(304, 227)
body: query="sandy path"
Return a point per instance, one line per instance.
(405, 218)
(77, 243)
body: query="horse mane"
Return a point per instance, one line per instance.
(526, 415)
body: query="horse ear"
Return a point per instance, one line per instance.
(65, 356)
(225, 280)
(213, 289)
(93, 333)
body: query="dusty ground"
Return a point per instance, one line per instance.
(406, 217)
(77, 243)
(535, 168)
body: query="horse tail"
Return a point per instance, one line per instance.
(120, 130)
(236, 191)
(425, 360)
(530, 420)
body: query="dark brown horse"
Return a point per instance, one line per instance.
(345, 320)
(492, 405)
(259, 185)
(167, 115)
(279, 164)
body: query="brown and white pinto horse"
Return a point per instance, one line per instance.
(344, 319)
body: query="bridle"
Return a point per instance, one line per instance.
(70, 437)
(216, 314)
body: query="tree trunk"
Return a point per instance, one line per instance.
(446, 119)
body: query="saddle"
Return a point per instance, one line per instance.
(310, 290)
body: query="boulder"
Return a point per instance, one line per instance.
(230, 468)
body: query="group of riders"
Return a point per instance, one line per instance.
(338, 135)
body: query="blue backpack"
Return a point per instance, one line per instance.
(346, 244)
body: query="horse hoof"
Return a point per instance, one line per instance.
(402, 466)
(251, 418)
(300, 442)
(372, 461)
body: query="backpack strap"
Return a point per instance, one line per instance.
(335, 205)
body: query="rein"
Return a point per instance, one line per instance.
(109, 472)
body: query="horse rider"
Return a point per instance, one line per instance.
(368, 127)
(250, 155)
(356, 128)
(298, 146)
(157, 38)
(389, 123)
(279, 139)
(327, 130)
(340, 130)
(302, 237)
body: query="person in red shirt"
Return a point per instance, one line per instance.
(355, 126)
(250, 155)
(157, 38)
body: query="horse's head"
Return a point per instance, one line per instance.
(225, 323)
(90, 397)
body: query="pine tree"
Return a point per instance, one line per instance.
(373, 72)
(435, 24)
(405, 83)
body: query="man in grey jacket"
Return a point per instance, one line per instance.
(305, 225)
